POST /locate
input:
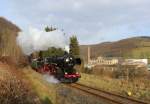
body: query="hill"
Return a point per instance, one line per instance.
(8, 34)
(135, 47)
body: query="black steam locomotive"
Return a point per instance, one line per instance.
(62, 67)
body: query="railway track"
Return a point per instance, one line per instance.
(111, 97)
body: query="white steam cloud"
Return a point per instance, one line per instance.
(36, 40)
(50, 79)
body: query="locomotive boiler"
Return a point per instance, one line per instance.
(61, 67)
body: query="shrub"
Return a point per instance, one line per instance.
(130, 72)
(14, 90)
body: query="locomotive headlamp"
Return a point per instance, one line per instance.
(67, 60)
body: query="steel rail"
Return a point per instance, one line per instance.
(111, 97)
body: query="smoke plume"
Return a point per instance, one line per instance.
(36, 40)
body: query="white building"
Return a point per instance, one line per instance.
(136, 62)
(103, 61)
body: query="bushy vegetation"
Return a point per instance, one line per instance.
(8, 44)
(13, 90)
(52, 52)
(118, 71)
(130, 72)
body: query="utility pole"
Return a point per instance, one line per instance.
(127, 74)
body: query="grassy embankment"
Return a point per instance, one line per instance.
(45, 91)
(48, 92)
(140, 88)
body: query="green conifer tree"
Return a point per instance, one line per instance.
(74, 46)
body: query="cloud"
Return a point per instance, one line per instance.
(89, 19)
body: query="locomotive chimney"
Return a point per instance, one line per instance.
(89, 54)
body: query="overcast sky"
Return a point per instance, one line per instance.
(93, 21)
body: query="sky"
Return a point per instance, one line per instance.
(92, 21)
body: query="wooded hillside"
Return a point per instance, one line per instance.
(136, 47)
(8, 44)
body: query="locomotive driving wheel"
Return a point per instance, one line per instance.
(75, 80)
(59, 73)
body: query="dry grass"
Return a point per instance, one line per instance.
(45, 90)
(13, 90)
(140, 88)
